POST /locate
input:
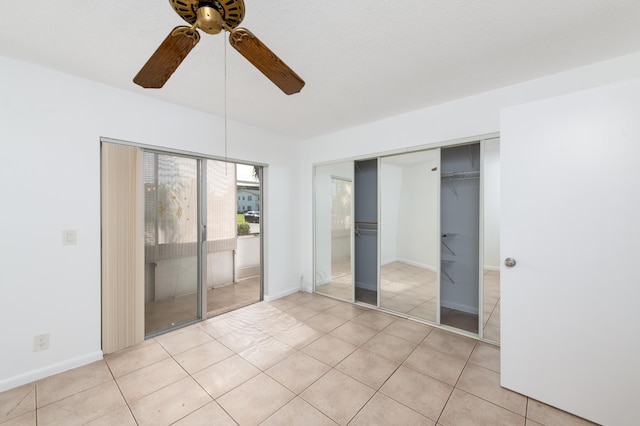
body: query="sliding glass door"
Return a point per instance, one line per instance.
(233, 243)
(181, 240)
(172, 215)
(196, 264)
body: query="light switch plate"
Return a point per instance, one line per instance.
(69, 237)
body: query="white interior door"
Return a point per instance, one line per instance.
(571, 219)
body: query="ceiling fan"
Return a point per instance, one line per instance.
(212, 17)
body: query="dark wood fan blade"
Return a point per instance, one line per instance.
(167, 57)
(266, 61)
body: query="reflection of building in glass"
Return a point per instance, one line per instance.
(248, 189)
(248, 197)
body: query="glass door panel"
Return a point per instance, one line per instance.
(491, 234)
(409, 233)
(333, 232)
(171, 241)
(233, 247)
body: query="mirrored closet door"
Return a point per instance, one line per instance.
(415, 234)
(409, 215)
(333, 214)
(491, 240)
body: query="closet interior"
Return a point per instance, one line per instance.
(460, 236)
(366, 231)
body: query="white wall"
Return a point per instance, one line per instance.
(472, 116)
(50, 128)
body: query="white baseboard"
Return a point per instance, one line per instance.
(271, 298)
(247, 271)
(50, 370)
(419, 265)
(366, 286)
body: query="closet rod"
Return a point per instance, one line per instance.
(460, 175)
(365, 223)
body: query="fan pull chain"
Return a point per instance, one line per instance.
(225, 103)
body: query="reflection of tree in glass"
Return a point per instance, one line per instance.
(340, 204)
(177, 186)
(171, 188)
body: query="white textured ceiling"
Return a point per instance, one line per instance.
(362, 60)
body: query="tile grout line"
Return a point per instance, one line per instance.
(121, 394)
(298, 395)
(455, 386)
(387, 379)
(214, 400)
(35, 393)
(467, 362)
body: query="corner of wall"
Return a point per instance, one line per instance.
(271, 298)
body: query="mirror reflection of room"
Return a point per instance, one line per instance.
(491, 250)
(409, 186)
(333, 233)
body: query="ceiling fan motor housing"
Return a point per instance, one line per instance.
(231, 11)
(209, 20)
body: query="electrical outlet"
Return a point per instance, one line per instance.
(41, 342)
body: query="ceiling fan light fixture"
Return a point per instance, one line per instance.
(232, 11)
(209, 20)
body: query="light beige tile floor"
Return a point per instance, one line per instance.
(412, 291)
(277, 364)
(492, 305)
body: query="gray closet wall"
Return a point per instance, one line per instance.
(366, 230)
(460, 228)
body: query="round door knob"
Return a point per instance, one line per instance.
(510, 262)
